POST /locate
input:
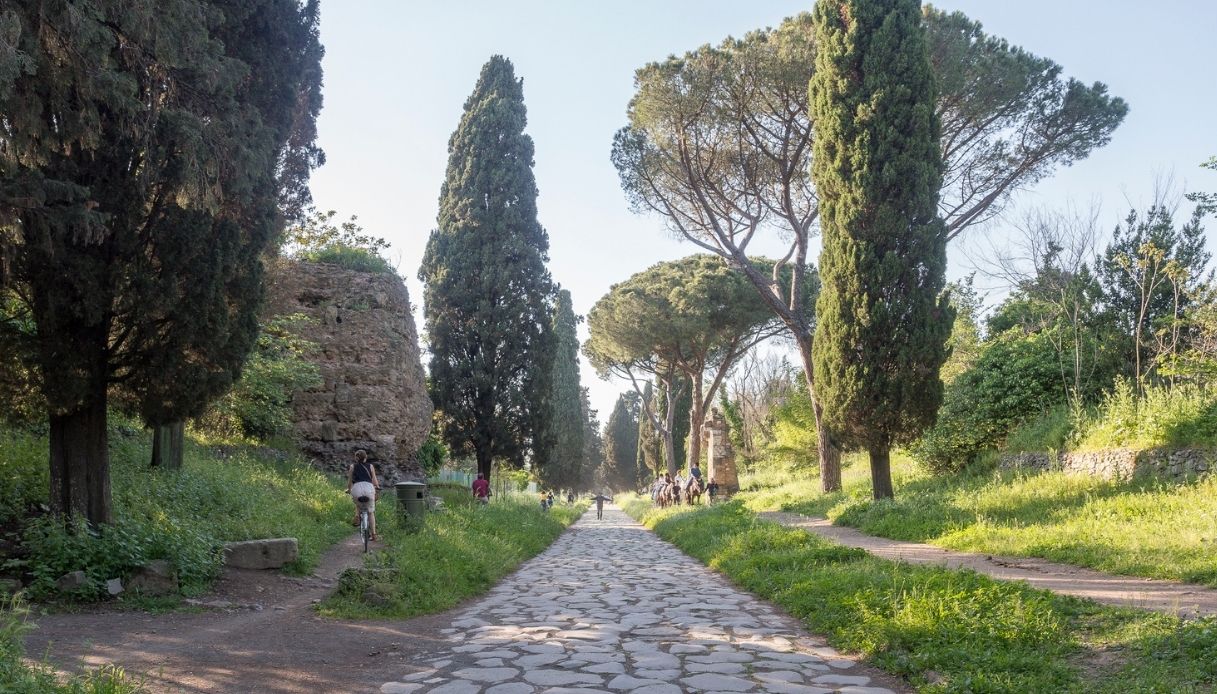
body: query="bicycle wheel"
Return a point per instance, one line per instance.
(365, 528)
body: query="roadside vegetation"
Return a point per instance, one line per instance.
(943, 630)
(459, 553)
(1140, 527)
(223, 493)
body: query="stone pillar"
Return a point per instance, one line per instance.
(720, 456)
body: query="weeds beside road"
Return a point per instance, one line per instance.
(944, 630)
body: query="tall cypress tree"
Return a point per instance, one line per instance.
(882, 319)
(144, 173)
(621, 442)
(488, 294)
(558, 463)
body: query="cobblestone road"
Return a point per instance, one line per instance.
(610, 607)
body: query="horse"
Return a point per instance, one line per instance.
(693, 492)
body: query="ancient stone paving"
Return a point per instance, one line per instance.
(610, 607)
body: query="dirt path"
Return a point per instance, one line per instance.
(259, 634)
(1184, 599)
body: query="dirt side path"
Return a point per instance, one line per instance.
(258, 633)
(1183, 599)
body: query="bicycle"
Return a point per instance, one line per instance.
(365, 521)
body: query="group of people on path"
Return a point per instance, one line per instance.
(664, 485)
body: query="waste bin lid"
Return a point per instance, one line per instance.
(407, 485)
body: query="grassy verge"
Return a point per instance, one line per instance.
(1141, 528)
(237, 492)
(944, 630)
(459, 553)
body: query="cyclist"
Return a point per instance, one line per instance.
(361, 481)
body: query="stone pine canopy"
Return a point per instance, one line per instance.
(373, 395)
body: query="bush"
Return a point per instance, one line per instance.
(182, 516)
(1016, 378)
(432, 455)
(260, 404)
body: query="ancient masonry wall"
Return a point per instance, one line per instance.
(1120, 463)
(373, 395)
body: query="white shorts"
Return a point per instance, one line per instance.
(364, 489)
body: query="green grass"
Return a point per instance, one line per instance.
(459, 553)
(1138, 527)
(1181, 416)
(972, 633)
(182, 516)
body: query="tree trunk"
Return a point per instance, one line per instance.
(483, 458)
(881, 472)
(167, 445)
(697, 413)
(669, 444)
(80, 462)
(829, 454)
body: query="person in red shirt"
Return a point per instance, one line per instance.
(481, 489)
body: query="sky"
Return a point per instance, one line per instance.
(397, 75)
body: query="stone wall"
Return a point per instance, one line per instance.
(373, 395)
(1120, 463)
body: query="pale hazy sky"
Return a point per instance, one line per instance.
(397, 74)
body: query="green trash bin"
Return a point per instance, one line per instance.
(412, 500)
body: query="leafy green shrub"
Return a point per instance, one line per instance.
(319, 240)
(432, 454)
(1017, 377)
(259, 405)
(24, 475)
(182, 516)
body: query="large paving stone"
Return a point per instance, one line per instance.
(262, 554)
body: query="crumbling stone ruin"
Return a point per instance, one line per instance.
(373, 395)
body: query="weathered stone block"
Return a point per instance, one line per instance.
(261, 554)
(154, 578)
(71, 581)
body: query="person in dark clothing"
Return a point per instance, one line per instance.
(600, 499)
(712, 488)
(362, 483)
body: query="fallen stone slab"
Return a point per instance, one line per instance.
(71, 581)
(271, 553)
(157, 577)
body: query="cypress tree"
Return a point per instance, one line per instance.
(592, 460)
(488, 294)
(558, 463)
(883, 320)
(621, 442)
(144, 173)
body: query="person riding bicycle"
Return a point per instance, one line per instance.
(362, 483)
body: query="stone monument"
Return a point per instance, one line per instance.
(719, 453)
(373, 395)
